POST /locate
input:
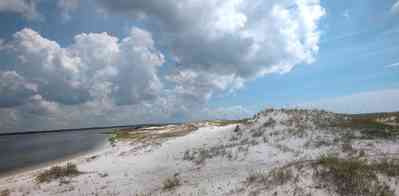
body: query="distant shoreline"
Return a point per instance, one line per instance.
(82, 129)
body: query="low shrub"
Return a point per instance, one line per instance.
(388, 167)
(56, 172)
(5, 192)
(171, 183)
(352, 177)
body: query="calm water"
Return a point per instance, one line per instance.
(22, 151)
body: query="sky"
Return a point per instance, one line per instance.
(83, 63)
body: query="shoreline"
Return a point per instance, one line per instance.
(72, 157)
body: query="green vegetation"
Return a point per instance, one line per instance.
(57, 172)
(364, 123)
(123, 134)
(112, 139)
(346, 177)
(355, 176)
(350, 177)
(378, 115)
(143, 135)
(200, 155)
(370, 128)
(171, 183)
(276, 177)
(229, 122)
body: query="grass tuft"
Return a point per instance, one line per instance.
(56, 172)
(352, 177)
(388, 167)
(5, 192)
(171, 183)
(276, 177)
(281, 176)
(370, 128)
(256, 177)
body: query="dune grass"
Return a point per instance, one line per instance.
(370, 128)
(171, 183)
(276, 177)
(354, 176)
(58, 172)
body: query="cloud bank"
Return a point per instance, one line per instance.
(184, 53)
(243, 39)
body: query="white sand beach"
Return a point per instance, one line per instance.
(271, 154)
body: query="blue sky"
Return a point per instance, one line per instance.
(358, 43)
(150, 61)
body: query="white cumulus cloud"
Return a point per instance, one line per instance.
(96, 63)
(244, 39)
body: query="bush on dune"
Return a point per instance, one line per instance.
(57, 172)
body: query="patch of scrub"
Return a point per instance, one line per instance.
(58, 172)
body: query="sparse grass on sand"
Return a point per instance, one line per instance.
(369, 127)
(346, 177)
(389, 167)
(57, 172)
(354, 176)
(276, 177)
